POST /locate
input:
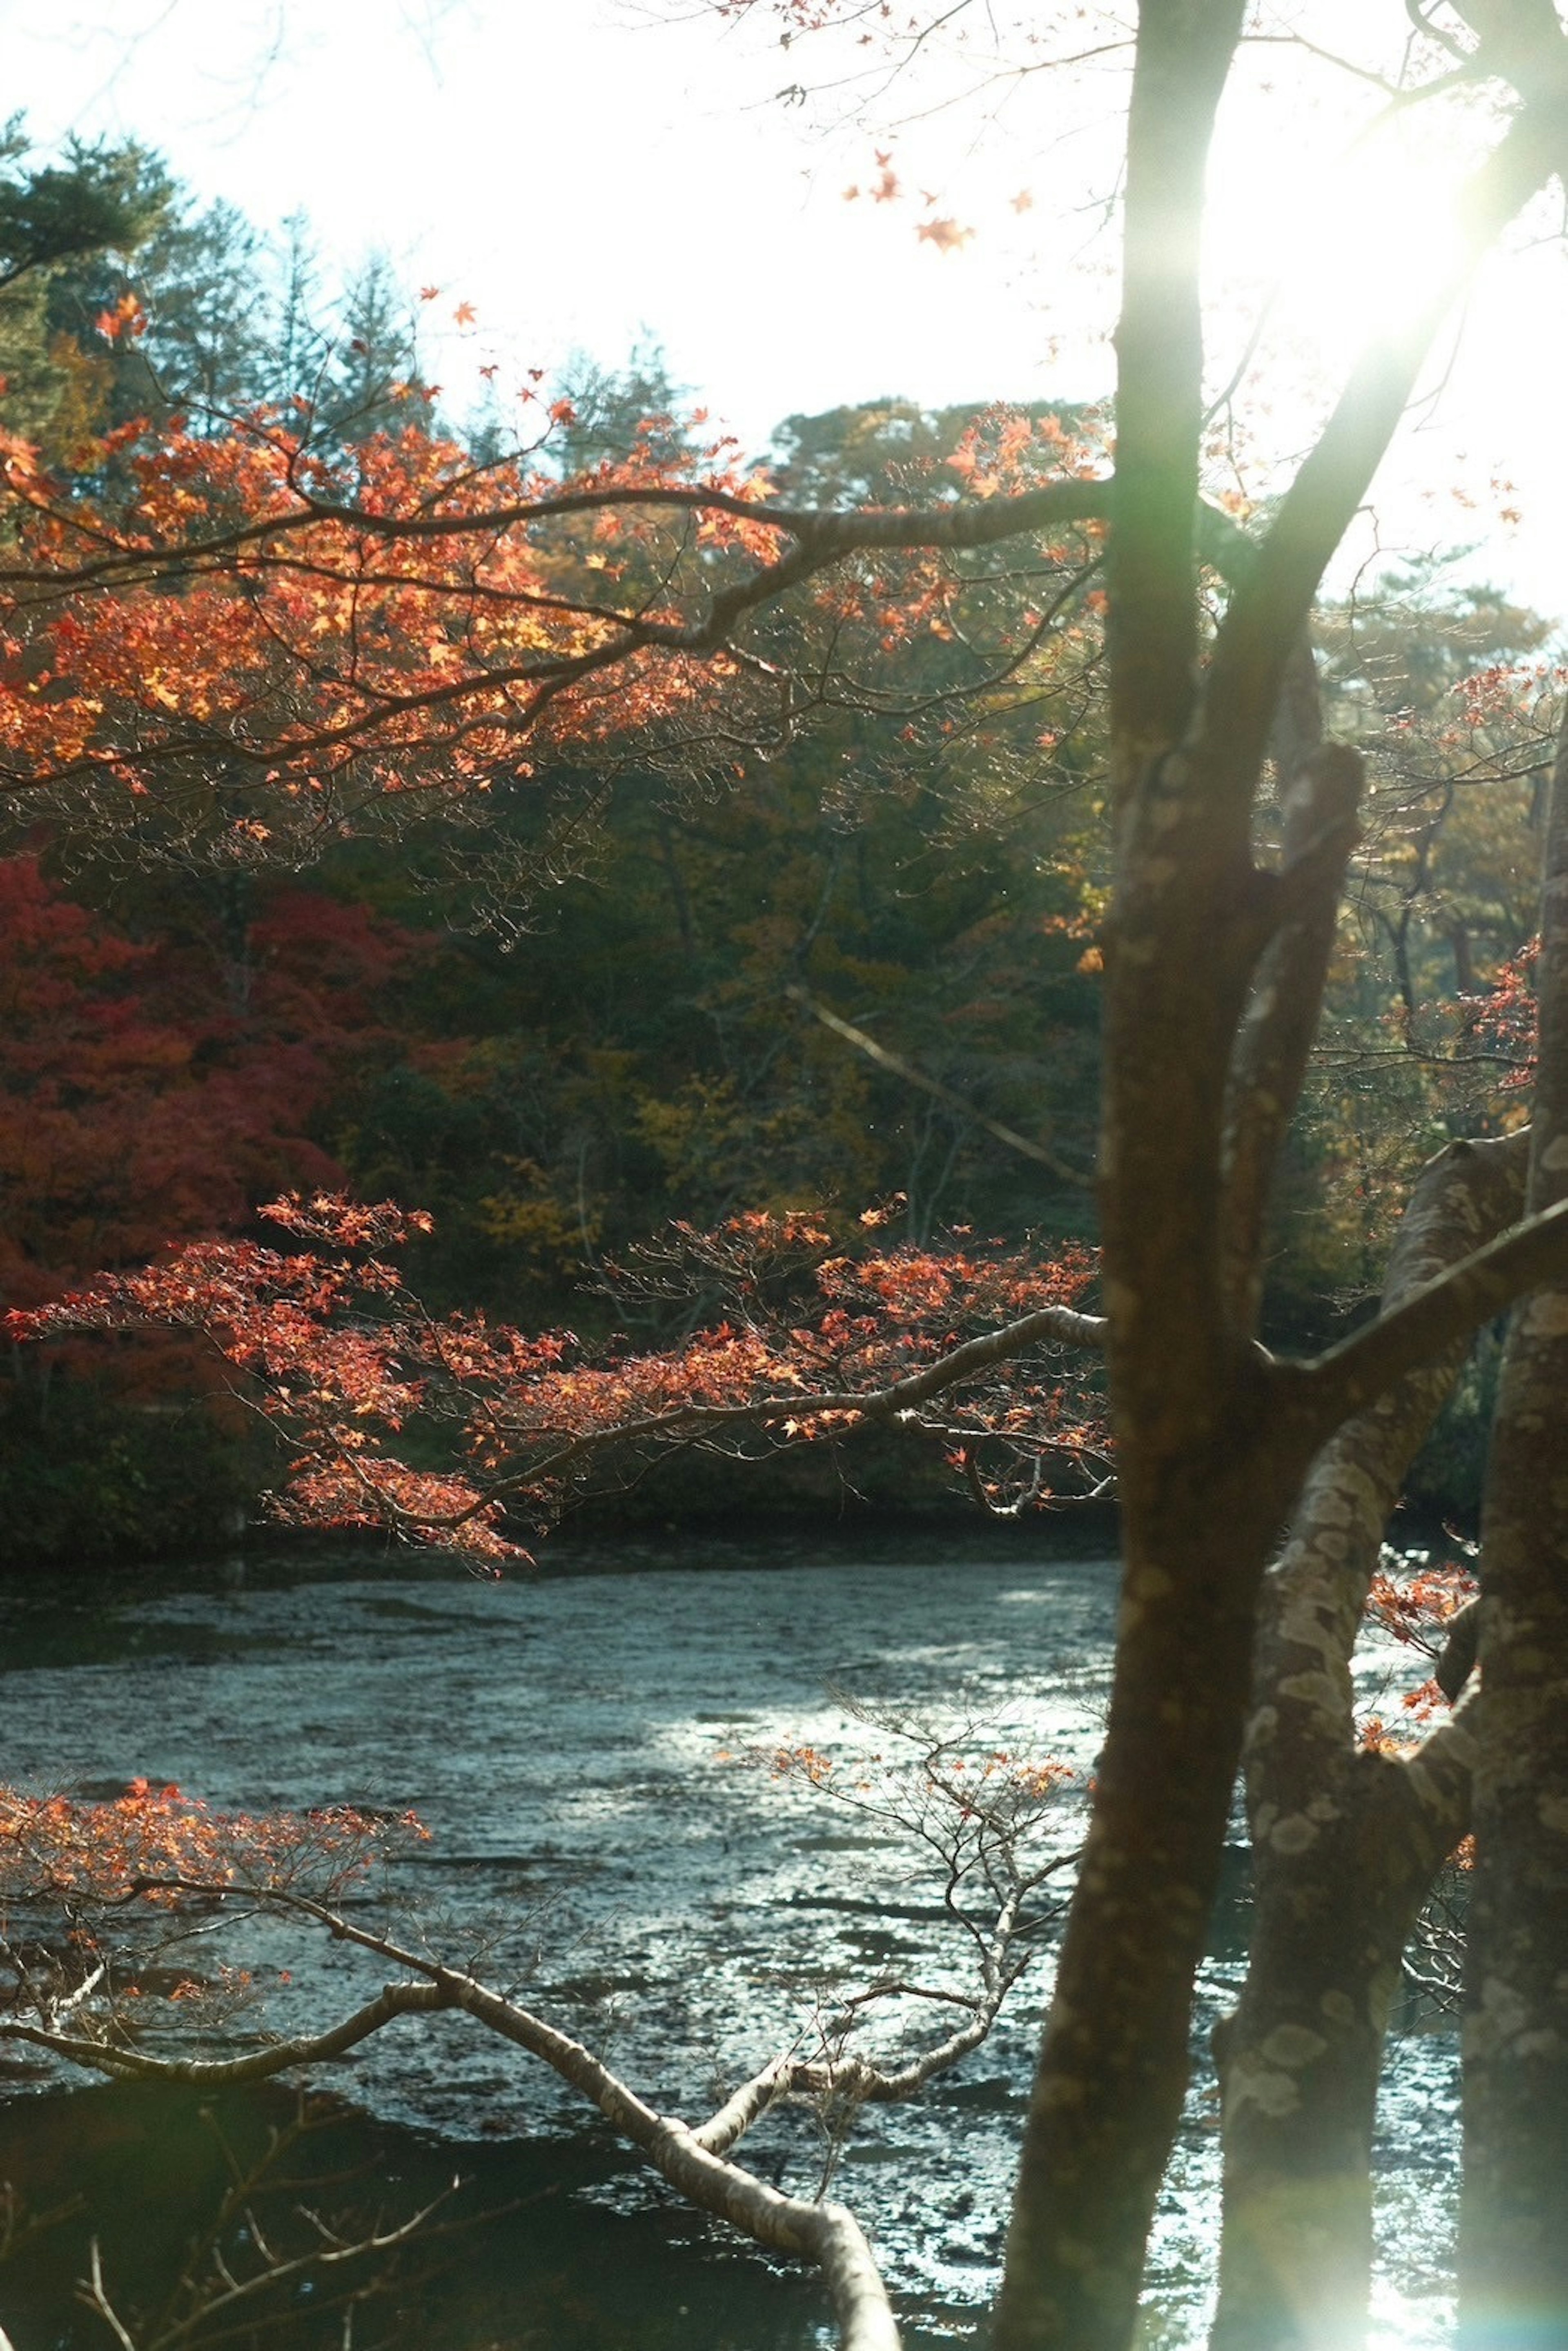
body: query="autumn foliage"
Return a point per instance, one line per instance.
(153, 1842)
(241, 644)
(328, 623)
(337, 1349)
(162, 1084)
(107, 1904)
(260, 637)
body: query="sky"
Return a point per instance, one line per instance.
(585, 171)
(575, 169)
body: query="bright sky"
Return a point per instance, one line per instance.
(580, 172)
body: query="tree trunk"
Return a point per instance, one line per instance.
(1113, 2075)
(1300, 2065)
(1514, 2221)
(1193, 1432)
(1345, 1844)
(1212, 1438)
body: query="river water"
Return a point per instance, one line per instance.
(582, 1748)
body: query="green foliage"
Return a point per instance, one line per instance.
(65, 229)
(610, 1015)
(1447, 688)
(99, 199)
(210, 317)
(643, 1052)
(617, 409)
(85, 1473)
(884, 449)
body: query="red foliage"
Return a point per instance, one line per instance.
(151, 1842)
(165, 1087)
(404, 615)
(1507, 1018)
(1418, 1611)
(342, 1355)
(261, 635)
(265, 637)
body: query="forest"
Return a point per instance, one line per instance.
(566, 978)
(604, 1000)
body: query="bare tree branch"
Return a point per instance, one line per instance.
(1360, 1367)
(899, 1067)
(120, 2062)
(1271, 604)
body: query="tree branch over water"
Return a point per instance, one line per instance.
(1359, 1370)
(973, 1823)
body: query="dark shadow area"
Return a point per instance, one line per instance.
(525, 2252)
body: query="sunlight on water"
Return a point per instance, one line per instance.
(579, 1748)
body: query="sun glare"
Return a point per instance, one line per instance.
(1319, 245)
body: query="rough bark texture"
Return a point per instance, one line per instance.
(1112, 2069)
(1514, 2224)
(1109, 2090)
(1212, 1438)
(1344, 1845)
(1273, 1049)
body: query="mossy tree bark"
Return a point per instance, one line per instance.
(1514, 2220)
(1213, 1437)
(1345, 1842)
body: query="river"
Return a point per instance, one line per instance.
(583, 1748)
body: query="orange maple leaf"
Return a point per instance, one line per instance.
(944, 235)
(464, 314)
(126, 318)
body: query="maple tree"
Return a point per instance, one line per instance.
(291, 637)
(151, 1083)
(823, 1341)
(923, 893)
(151, 1086)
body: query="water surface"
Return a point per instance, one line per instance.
(577, 1747)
